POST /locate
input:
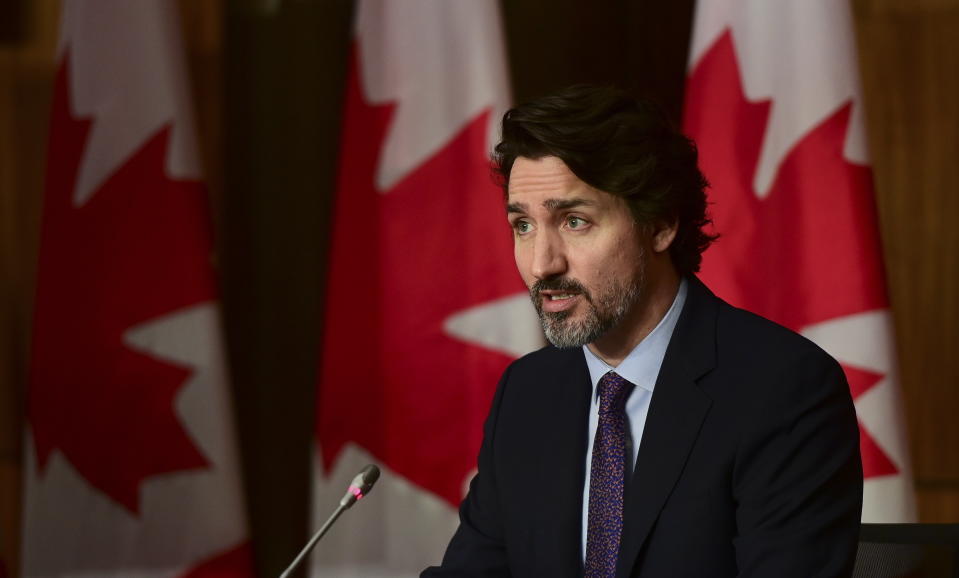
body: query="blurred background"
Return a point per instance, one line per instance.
(267, 80)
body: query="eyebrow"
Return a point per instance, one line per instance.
(515, 208)
(552, 205)
(563, 204)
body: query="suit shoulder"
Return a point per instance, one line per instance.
(769, 372)
(746, 333)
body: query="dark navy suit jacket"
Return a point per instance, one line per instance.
(748, 466)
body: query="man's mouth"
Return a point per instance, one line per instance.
(557, 301)
(557, 295)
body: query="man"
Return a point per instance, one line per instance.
(664, 433)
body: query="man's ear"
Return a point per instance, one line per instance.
(664, 234)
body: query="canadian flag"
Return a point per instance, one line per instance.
(773, 102)
(424, 307)
(131, 467)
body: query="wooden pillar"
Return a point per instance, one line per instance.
(909, 54)
(285, 69)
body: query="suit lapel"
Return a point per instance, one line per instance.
(561, 468)
(676, 413)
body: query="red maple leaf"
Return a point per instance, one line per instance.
(137, 250)
(402, 262)
(809, 251)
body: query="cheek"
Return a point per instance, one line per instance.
(613, 260)
(589, 267)
(630, 262)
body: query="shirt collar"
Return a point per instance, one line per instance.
(641, 365)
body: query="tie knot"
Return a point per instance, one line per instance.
(613, 392)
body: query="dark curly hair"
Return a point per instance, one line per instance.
(620, 145)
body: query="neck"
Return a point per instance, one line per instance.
(643, 317)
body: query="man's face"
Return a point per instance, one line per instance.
(578, 249)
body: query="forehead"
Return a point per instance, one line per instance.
(546, 175)
(547, 183)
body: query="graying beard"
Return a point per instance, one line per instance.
(568, 335)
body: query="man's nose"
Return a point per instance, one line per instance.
(549, 259)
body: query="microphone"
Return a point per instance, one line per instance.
(359, 487)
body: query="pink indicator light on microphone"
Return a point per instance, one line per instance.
(356, 492)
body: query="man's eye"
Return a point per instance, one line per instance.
(522, 227)
(576, 223)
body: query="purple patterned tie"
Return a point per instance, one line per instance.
(607, 477)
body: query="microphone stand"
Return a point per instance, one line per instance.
(316, 538)
(359, 487)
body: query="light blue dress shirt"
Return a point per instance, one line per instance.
(640, 367)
